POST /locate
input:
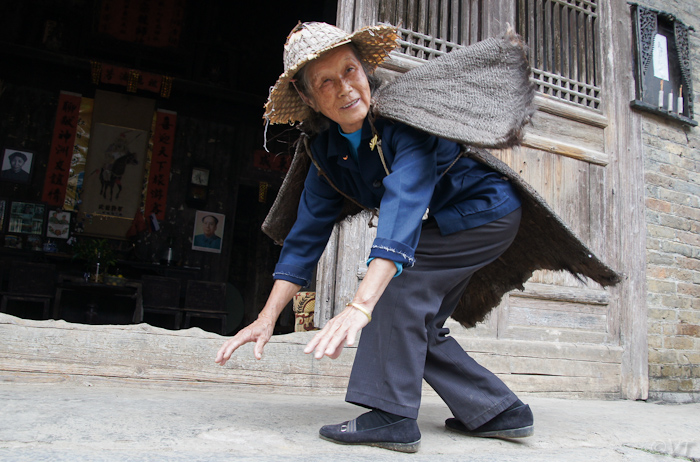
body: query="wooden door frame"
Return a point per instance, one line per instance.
(625, 220)
(627, 251)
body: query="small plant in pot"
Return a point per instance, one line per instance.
(98, 254)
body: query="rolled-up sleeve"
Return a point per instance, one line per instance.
(318, 208)
(408, 190)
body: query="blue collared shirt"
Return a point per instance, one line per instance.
(469, 195)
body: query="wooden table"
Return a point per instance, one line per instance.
(129, 289)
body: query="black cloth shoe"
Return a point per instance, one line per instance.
(515, 422)
(402, 436)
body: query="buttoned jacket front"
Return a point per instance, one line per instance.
(468, 195)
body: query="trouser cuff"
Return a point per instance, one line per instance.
(373, 402)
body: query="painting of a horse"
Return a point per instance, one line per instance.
(111, 175)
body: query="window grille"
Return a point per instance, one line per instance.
(430, 28)
(563, 40)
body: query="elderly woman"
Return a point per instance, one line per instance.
(442, 217)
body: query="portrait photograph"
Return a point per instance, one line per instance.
(16, 166)
(208, 231)
(58, 225)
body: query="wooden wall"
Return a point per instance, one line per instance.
(584, 159)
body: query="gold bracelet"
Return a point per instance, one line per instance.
(361, 310)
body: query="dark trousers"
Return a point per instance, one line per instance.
(406, 341)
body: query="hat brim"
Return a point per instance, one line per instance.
(284, 105)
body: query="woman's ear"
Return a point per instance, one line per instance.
(308, 101)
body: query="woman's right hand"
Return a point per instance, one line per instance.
(261, 329)
(260, 332)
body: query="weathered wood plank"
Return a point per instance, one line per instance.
(554, 334)
(566, 43)
(556, 38)
(575, 132)
(547, 36)
(536, 349)
(454, 26)
(573, 44)
(521, 365)
(422, 25)
(572, 385)
(542, 315)
(587, 294)
(444, 22)
(538, 35)
(158, 356)
(565, 149)
(433, 21)
(345, 15)
(325, 281)
(365, 13)
(628, 250)
(570, 112)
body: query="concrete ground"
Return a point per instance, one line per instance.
(76, 420)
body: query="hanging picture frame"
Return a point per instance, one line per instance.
(208, 231)
(26, 218)
(58, 224)
(663, 75)
(17, 165)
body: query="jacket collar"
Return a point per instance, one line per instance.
(336, 138)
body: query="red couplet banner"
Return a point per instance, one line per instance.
(61, 153)
(161, 160)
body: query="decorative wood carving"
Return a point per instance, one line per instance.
(648, 23)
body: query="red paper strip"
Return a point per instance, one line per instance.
(150, 82)
(116, 75)
(161, 160)
(155, 24)
(61, 149)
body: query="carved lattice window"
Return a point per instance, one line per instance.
(564, 41)
(433, 28)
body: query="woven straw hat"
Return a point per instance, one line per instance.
(306, 42)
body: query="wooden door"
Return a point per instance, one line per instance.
(559, 335)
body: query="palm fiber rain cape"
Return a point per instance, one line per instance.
(480, 96)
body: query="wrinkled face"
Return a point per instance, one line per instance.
(209, 226)
(338, 88)
(17, 163)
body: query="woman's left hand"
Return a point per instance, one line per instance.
(341, 330)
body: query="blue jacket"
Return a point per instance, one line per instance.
(469, 195)
(214, 242)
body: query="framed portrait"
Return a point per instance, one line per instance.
(16, 165)
(208, 231)
(3, 207)
(58, 224)
(26, 218)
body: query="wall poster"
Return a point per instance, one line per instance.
(113, 179)
(208, 230)
(26, 218)
(58, 225)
